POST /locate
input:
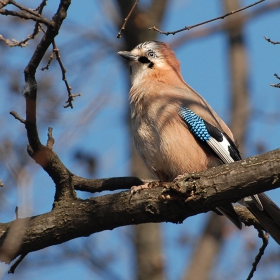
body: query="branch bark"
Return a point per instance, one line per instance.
(164, 202)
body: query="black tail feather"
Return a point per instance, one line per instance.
(269, 217)
(228, 211)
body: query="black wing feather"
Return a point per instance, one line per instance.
(214, 131)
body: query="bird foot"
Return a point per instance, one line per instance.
(179, 177)
(136, 189)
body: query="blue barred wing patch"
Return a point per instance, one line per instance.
(195, 123)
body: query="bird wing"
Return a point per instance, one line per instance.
(218, 141)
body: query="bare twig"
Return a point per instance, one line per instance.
(41, 7)
(50, 58)
(264, 237)
(71, 96)
(274, 43)
(209, 30)
(276, 85)
(22, 43)
(202, 23)
(270, 41)
(17, 262)
(17, 117)
(50, 141)
(24, 15)
(37, 28)
(49, 62)
(126, 19)
(27, 10)
(56, 53)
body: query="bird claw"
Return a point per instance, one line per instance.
(135, 189)
(179, 177)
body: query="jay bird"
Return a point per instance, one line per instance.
(176, 131)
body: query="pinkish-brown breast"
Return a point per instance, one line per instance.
(163, 140)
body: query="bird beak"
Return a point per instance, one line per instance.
(127, 55)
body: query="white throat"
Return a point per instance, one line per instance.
(138, 72)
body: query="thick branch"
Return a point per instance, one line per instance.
(165, 202)
(41, 154)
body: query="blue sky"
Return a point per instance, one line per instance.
(105, 135)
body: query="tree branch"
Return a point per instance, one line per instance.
(224, 26)
(126, 19)
(264, 237)
(205, 22)
(26, 16)
(165, 202)
(44, 155)
(24, 42)
(270, 41)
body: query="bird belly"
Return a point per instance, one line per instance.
(170, 150)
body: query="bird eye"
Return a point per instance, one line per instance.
(151, 54)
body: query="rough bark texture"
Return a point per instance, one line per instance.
(194, 194)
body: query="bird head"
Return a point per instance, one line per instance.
(152, 60)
